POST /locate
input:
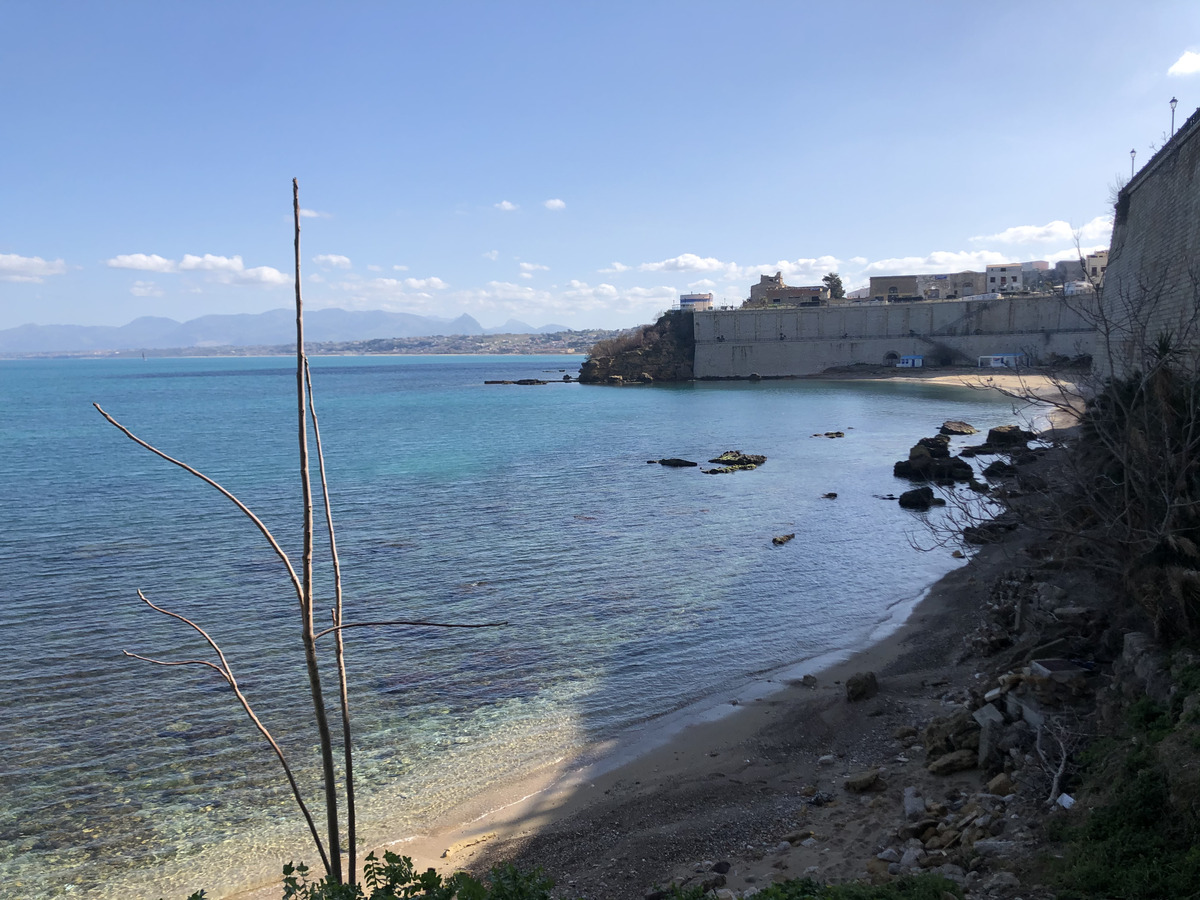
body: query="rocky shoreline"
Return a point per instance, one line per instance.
(915, 755)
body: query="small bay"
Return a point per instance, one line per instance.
(630, 590)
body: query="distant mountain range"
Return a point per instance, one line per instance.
(277, 326)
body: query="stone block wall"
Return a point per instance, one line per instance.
(780, 342)
(1152, 286)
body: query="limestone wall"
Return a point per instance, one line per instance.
(1152, 285)
(773, 342)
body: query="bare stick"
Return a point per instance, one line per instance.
(226, 673)
(340, 628)
(344, 696)
(236, 502)
(306, 597)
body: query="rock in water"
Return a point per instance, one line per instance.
(738, 458)
(918, 498)
(782, 539)
(957, 428)
(676, 463)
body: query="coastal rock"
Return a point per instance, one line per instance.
(988, 532)
(832, 495)
(1002, 785)
(1009, 436)
(923, 465)
(860, 782)
(920, 499)
(999, 469)
(861, 686)
(958, 761)
(676, 463)
(953, 427)
(914, 805)
(937, 447)
(946, 734)
(664, 351)
(736, 458)
(782, 539)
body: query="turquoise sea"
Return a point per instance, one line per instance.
(630, 590)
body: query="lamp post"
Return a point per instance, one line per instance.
(1132, 154)
(1173, 102)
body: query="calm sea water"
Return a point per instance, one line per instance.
(631, 590)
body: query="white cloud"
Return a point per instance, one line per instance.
(859, 260)
(534, 267)
(555, 204)
(1188, 64)
(400, 268)
(493, 255)
(806, 270)
(231, 270)
(144, 262)
(937, 262)
(28, 268)
(506, 206)
(702, 283)
(374, 268)
(1056, 232)
(615, 267)
(333, 260)
(686, 262)
(313, 214)
(425, 284)
(145, 289)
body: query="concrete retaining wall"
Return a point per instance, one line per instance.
(774, 342)
(1152, 286)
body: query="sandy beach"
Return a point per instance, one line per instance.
(755, 779)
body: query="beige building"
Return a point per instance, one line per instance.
(895, 288)
(771, 291)
(1094, 267)
(952, 286)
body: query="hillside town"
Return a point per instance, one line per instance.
(1069, 277)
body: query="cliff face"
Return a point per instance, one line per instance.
(664, 351)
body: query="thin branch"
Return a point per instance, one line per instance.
(182, 662)
(227, 494)
(226, 672)
(306, 569)
(340, 650)
(339, 628)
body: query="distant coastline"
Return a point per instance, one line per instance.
(566, 343)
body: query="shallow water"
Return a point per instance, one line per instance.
(629, 590)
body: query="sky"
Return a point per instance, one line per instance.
(574, 163)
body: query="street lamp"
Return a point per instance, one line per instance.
(1173, 102)
(1132, 154)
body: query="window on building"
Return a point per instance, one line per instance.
(992, 279)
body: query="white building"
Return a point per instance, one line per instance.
(695, 302)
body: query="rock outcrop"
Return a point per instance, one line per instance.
(664, 351)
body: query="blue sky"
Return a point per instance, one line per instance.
(572, 162)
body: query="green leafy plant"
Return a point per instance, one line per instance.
(395, 877)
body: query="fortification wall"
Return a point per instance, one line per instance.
(775, 342)
(1152, 285)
